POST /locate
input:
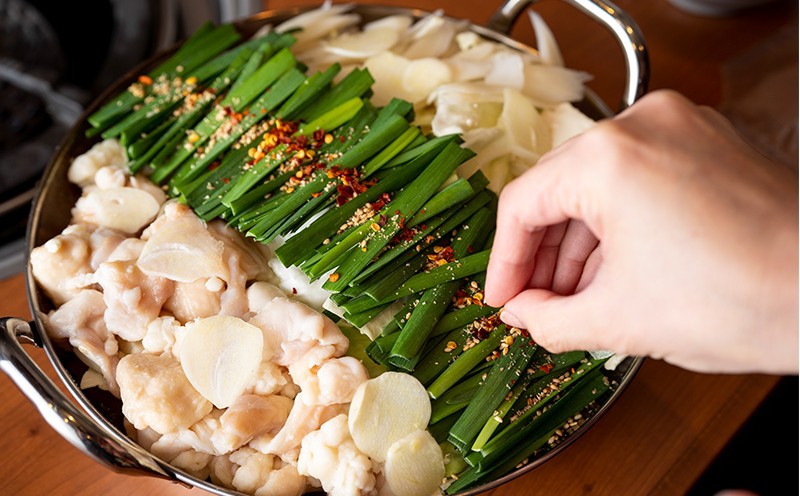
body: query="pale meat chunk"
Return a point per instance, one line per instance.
(128, 249)
(186, 450)
(83, 169)
(330, 456)
(253, 257)
(133, 299)
(245, 261)
(293, 329)
(271, 379)
(265, 475)
(250, 416)
(109, 177)
(57, 263)
(155, 393)
(233, 300)
(80, 320)
(194, 300)
(196, 438)
(162, 335)
(179, 247)
(260, 293)
(141, 182)
(303, 418)
(325, 380)
(104, 243)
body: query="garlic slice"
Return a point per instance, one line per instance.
(122, 208)
(414, 465)
(385, 409)
(220, 356)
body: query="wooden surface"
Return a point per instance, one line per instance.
(669, 424)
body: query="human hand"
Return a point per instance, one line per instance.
(698, 255)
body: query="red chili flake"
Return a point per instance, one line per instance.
(405, 234)
(382, 220)
(470, 249)
(381, 202)
(448, 253)
(402, 222)
(341, 139)
(226, 180)
(318, 135)
(344, 190)
(213, 165)
(422, 227)
(546, 368)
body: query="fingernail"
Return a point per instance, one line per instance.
(510, 319)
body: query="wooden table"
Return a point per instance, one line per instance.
(665, 429)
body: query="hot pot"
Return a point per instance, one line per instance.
(95, 424)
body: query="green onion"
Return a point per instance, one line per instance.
(527, 421)
(407, 203)
(271, 98)
(465, 362)
(441, 354)
(499, 382)
(402, 141)
(461, 317)
(204, 44)
(355, 84)
(307, 91)
(333, 118)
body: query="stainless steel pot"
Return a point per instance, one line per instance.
(94, 425)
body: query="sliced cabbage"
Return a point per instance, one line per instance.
(424, 75)
(566, 121)
(549, 52)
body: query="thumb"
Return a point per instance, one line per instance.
(559, 323)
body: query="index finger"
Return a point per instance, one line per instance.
(544, 195)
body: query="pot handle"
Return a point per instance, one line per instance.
(621, 25)
(118, 453)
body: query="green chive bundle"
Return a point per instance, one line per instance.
(361, 197)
